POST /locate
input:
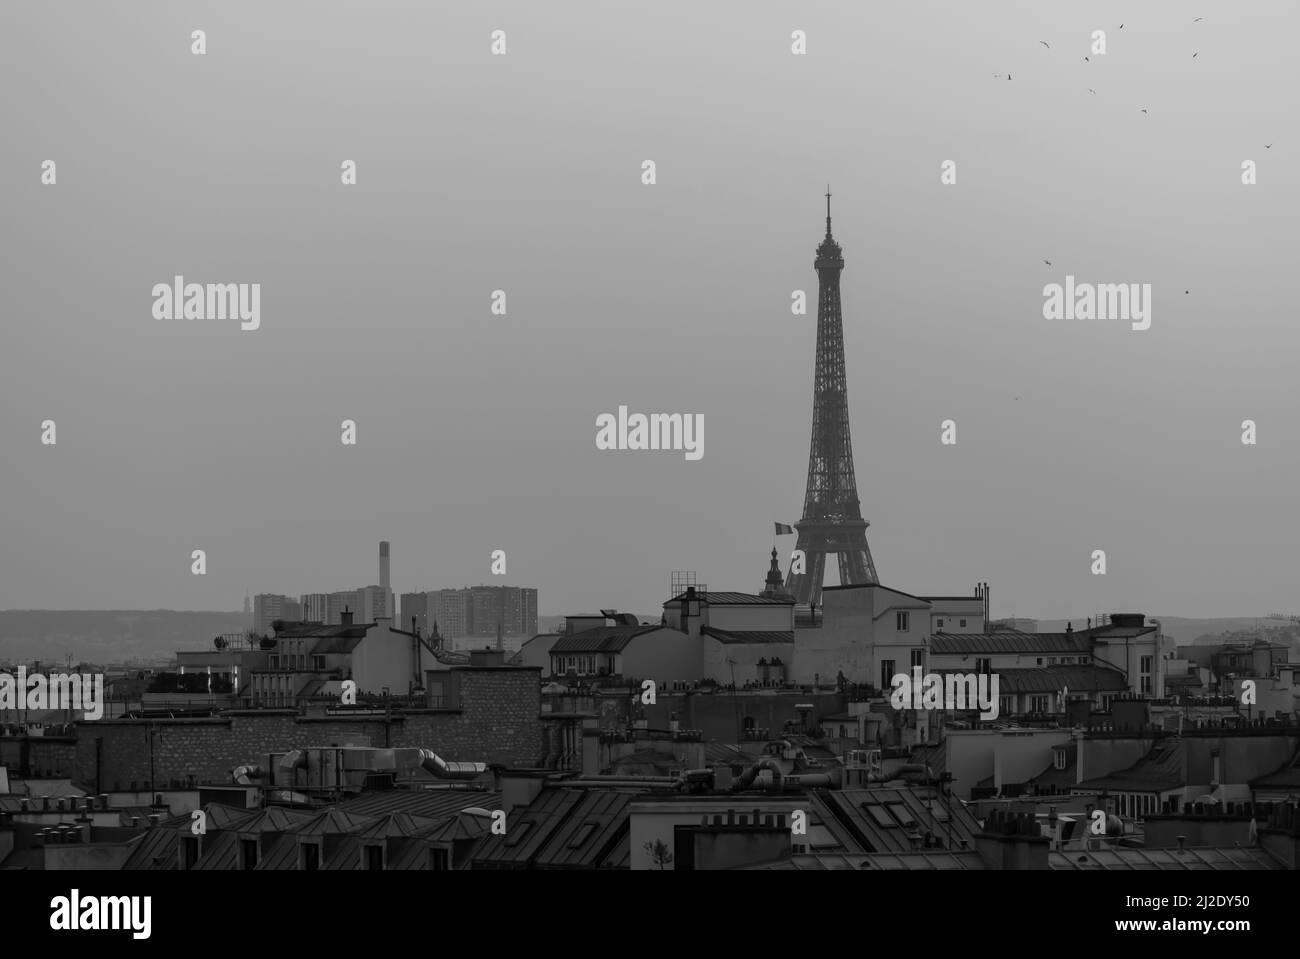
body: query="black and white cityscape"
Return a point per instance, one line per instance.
(356, 512)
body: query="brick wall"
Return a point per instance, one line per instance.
(44, 756)
(498, 722)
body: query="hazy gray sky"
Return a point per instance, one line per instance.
(523, 173)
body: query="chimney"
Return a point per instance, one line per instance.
(383, 564)
(345, 617)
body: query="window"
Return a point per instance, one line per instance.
(902, 814)
(248, 853)
(1146, 674)
(439, 860)
(1040, 660)
(1006, 705)
(189, 852)
(877, 812)
(918, 657)
(374, 857)
(581, 835)
(900, 621)
(1059, 758)
(318, 663)
(983, 664)
(886, 675)
(940, 624)
(310, 857)
(517, 833)
(963, 624)
(1038, 704)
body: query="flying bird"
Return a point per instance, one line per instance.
(1087, 60)
(1268, 146)
(1046, 44)
(1144, 110)
(1185, 292)
(1048, 262)
(1198, 20)
(1121, 26)
(1194, 55)
(1091, 90)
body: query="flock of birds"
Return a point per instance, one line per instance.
(1267, 146)
(1195, 54)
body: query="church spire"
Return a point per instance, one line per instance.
(774, 584)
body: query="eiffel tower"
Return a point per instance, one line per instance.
(832, 515)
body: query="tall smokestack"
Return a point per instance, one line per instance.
(383, 564)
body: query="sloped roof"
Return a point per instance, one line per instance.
(601, 639)
(311, 630)
(333, 645)
(155, 849)
(562, 828)
(737, 599)
(1287, 776)
(1163, 768)
(936, 757)
(902, 861)
(274, 819)
(424, 803)
(333, 822)
(591, 833)
(749, 636)
(1052, 679)
(1119, 858)
(1010, 641)
(884, 819)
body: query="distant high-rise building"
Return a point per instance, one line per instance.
(383, 564)
(268, 607)
(338, 601)
(315, 607)
(452, 610)
(376, 604)
(415, 606)
(512, 608)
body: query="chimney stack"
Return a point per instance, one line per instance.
(345, 617)
(383, 564)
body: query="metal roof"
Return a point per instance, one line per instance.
(905, 861)
(885, 819)
(750, 636)
(1052, 679)
(1010, 641)
(736, 599)
(590, 834)
(601, 639)
(1217, 858)
(424, 803)
(1162, 769)
(562, 828)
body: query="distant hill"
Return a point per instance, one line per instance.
(1186, 632)
(109, 635)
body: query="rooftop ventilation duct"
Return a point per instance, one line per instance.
(432, 763)
(244, 775)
